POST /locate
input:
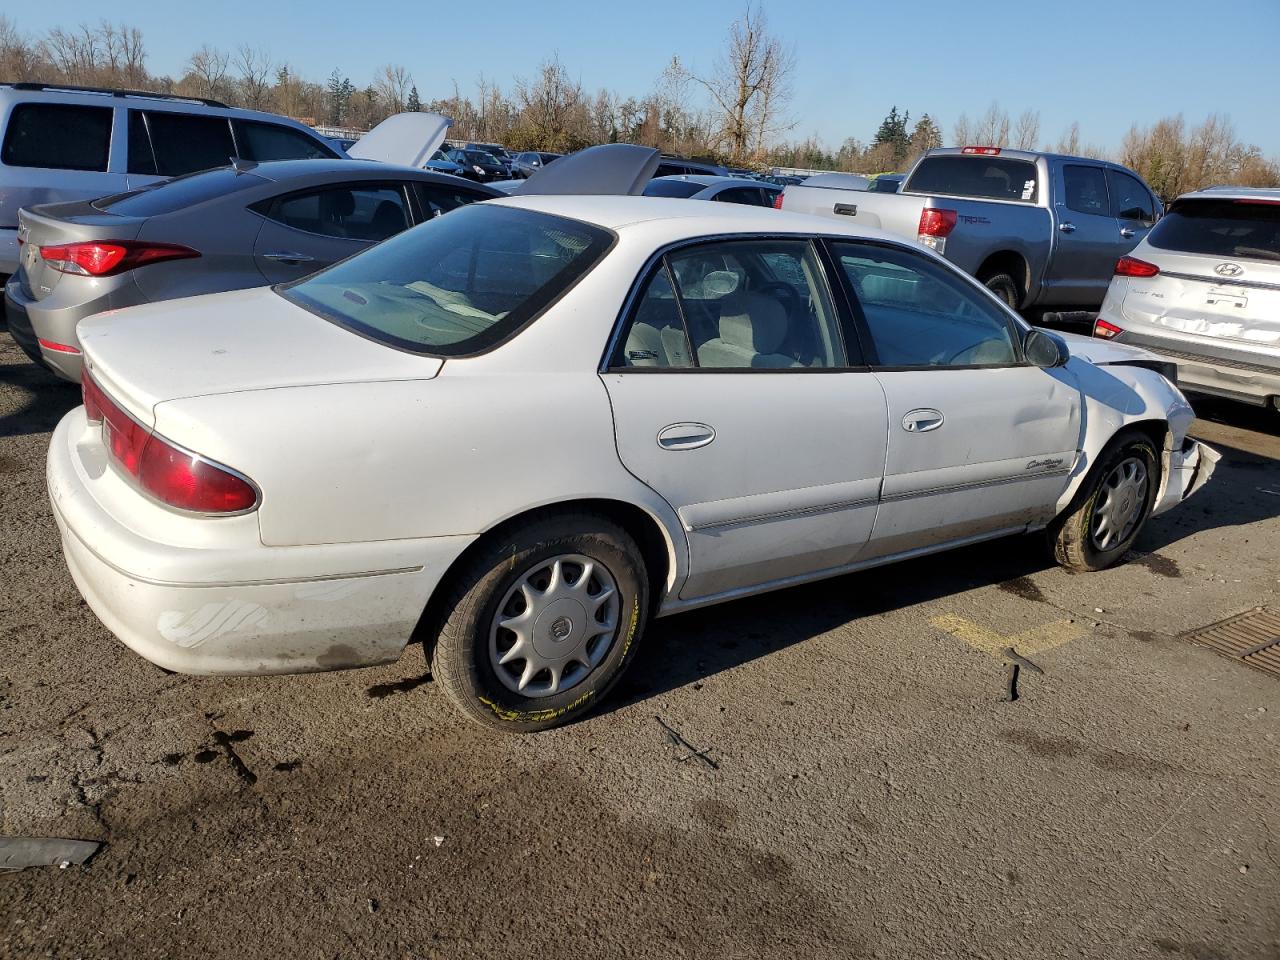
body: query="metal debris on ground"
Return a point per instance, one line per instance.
(676, 739)
(1020, 660)
(1252, 638)
(17, 853)
(1011, 683)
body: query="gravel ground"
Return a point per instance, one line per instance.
(857, 786)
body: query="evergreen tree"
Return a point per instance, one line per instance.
(340, 89)
(893, 131)
(414, 103)
(925, 136)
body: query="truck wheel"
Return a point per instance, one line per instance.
(542, 623)
(1005, 287)
(1111, 506)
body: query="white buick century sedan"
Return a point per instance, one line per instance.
(519, 432)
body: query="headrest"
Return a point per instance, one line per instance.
(753, 322)
(340, 202)
(716, 284)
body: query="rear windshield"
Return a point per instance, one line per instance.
(1243, 229)
(455, 285)
(672, 188)
(168, 196)
(987, 178)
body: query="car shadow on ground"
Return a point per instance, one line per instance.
(45, 398)
(690, 647)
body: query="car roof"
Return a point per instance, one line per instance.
(692, 218)
(1233, 193)
(709, 180)
(139, 100)
(277, 170)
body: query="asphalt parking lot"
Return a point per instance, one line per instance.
(851, 780)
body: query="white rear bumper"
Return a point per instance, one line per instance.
(254, 609)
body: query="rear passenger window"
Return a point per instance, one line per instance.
(57, 136)
(656, 336)
(748, 304)
(180, 143)
(919, 315)
(367, 213)
(273, 141)
(747, 195)
(1130, 200)
(1085, 190)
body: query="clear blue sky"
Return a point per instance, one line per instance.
(1105, 64)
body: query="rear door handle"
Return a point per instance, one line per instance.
(288, 256)
(1067, 227)
(922, 421)
(685, 436)
(1126, 232)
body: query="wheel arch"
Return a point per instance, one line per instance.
(662, 555)
(1010, 262)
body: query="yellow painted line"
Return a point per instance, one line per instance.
(1029, 642)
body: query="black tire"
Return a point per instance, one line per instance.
(460, 657)
(1004, 286)
(1072, 535)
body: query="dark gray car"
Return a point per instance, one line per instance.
(230, 228)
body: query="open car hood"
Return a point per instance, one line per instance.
(408, 139)
(611, 169)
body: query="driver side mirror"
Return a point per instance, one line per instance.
(1044, 350)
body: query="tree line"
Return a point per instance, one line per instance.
(735, 112)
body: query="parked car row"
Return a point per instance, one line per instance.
(332, 407)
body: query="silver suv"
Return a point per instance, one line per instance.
(76, 143)
(1203, 288)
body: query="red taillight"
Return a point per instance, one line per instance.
(982, 151)
(57, 347)
(102, 258)
(1106, 331)
(172, 475)
(1133, 267)
(937, 223)
(1258, 203)
(777, 201)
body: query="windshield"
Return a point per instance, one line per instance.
(1244, 229)
(166, 196)
(672, 188)
(455, 285)
(988, 178)
(475, 156)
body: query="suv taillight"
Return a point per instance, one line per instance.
(777, 201)
(1133, 267)
(1105, 331)
(172, 475)
(104, 258)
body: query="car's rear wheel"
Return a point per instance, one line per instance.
(1005, 287)
(1111, 507)
(542, 623)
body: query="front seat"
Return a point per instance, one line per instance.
(388, 220)
(752, 328)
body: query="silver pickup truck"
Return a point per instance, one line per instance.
(1041, 230)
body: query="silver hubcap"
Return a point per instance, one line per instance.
(554, 626)
(1119, 504)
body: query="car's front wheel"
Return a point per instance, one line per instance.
(542, 623)
(1111, 507)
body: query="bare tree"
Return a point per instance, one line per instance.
(1026, 131)
(254, 67)
(962, 132)
(393, 83)
(993, 127)
(124, 57)
(74, 53)
(208, 68)
(750, 84)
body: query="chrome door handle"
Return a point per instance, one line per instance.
(1067, 227)
(685, 436)
(1126, 232)
(288, 256)
(922, 421)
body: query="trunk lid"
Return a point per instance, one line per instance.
(610, 169)
(56, 223)
(229, 343)
(408, 139)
